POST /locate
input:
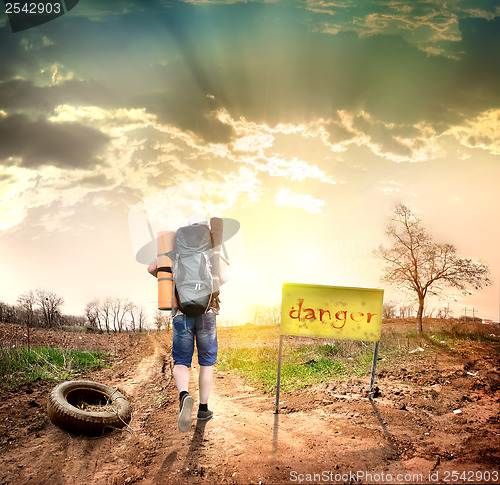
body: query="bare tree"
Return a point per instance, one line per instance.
(257, 313)
(105, 313)
(7, 313)
(115, 315)
(92, 312)
(119, 308)
(141, 318)
(137, 317)
(444, 313)
(389, 310)
(132, 310)
(265, 314)
(417, 264)
(161, 320)
(405, 311)
(274, 314)
(429, 313)
(50, 306)
(27, 302)
(73, 320)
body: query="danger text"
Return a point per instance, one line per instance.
(339, 319)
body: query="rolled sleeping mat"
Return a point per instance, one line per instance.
(216, 227)
(165, 243)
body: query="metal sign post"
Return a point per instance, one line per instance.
(374, 365)
(278, 382)
(276, 407)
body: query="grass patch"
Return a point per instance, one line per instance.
(454, 334)
(310, 361)
(21, 364)
(256, 365)
(301, 367)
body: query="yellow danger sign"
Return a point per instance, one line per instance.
(335, 312)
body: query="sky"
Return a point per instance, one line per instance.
(306, 121)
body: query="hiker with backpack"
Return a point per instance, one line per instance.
(196, 262)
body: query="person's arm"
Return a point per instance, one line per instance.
(153, 268)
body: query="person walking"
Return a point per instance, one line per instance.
(187, 330)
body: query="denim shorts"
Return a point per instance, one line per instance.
(186, 330)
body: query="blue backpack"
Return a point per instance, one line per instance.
(195, 267)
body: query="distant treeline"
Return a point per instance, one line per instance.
(42, 309)
(394, 310)
(14, 314)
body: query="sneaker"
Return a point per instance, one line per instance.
(205, 415)
(185, 409)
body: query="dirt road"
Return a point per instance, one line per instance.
(332, 434)
(152, 450)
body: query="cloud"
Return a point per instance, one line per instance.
(110, 121)
(19, 95)
(14, 184)
(480, 132)
(97, 180)
(432, 27)
(390, 187)
(288, 198)
(398, 142)
(267, 63)
(38, 143)
(253, 143)
(295, 170)
(46, 192)
(141, 156)
(481, 64)
(244, 95)
(240, 187)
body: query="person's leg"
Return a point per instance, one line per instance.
(182, 353)
(181, 377)
(205, 382)
(206, 342)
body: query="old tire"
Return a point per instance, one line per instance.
(64, 413)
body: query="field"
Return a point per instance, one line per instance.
(434, 418)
